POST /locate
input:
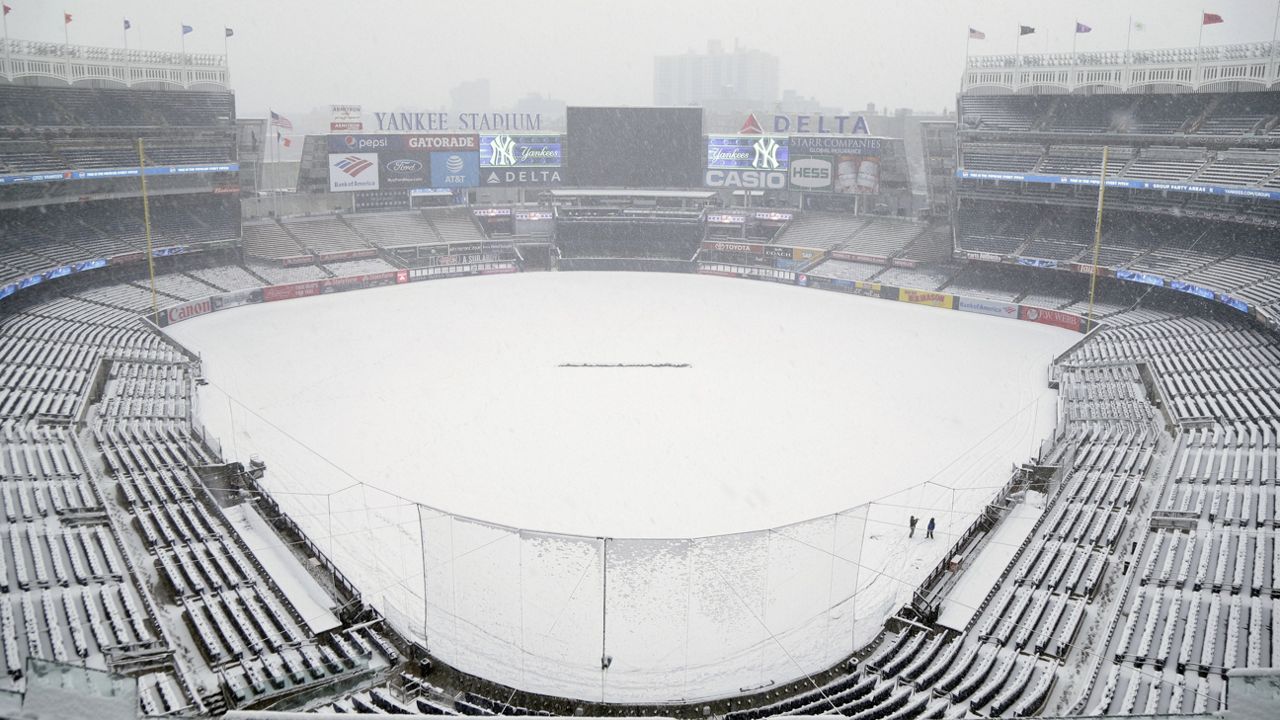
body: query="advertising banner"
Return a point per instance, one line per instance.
(857, 175)
(520, 151)
(363, 143)
(494, 176)
(353, 171)
(331, 285)
(805, 254)
(925, 297)
(835, 145)
(724, 219)
(773, 216)
(745, 179)
(1145, 278)
(747, 152)
(447, 271)
(424, 142)
(345, 118)
(987, 307)
(1124, 183)
(109, 173)
(1187, 287)
(455, 169)
(1037, 262)
(251, 296)
(403, 169)
(730, 246)
(812, 173)
(856, 257)
(1051, 317)
(182, 312)
(1240, 305)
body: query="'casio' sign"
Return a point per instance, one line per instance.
(753, 179)
(811, 173)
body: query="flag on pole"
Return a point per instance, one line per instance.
(1025, 30)
(1212, 19)
(66, 18)
(280, 138)
(186, 29)
(1139, 25)
(229, 32)
(1082, 28)
(127, 24)
(280, 121)
(7, 9)
(977, 34)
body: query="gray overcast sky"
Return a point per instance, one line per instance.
(294, 55)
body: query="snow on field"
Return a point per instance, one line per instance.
(795, 404)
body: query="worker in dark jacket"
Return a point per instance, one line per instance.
(914, 520)
(929, 530)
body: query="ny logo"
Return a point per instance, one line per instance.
(766, 157)
(503, 151)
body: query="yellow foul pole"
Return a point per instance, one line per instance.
(146, 222)
(1097, 235)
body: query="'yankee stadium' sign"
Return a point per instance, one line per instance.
(463, 121)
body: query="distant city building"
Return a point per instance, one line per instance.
(472, 95)
(743, 76)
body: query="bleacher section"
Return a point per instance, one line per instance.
(43, 238)
(868, 235)
(1237, 259)
(52, 107)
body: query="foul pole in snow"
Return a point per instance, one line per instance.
(1097, 235)
(146, 223)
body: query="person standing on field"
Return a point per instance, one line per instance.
(914, 520)
(929, 530)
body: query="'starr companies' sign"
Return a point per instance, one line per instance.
(458, 122)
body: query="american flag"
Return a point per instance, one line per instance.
(280, 121)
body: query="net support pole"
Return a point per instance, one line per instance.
(146, 223)
(1097, 235)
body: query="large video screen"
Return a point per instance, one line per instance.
(634, 147)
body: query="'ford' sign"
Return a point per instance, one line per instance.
(404, 169)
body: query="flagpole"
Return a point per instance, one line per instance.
(1128, 40)
(185, 62)
(124, 24)
(1199, 46)
(66, 43)
(1275, 27)
(8, 69)
(226, 56)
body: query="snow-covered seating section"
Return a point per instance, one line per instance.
(325, 235)
(1201, 598)
(225, 278)
(276, 275)
(454, 225)
(74, 590)
(359, 267)
(268, 239)
(394, 229)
